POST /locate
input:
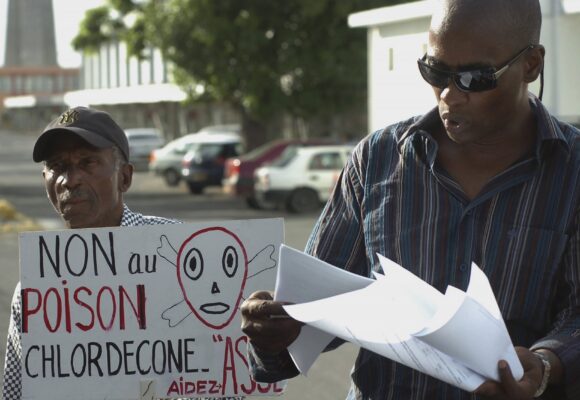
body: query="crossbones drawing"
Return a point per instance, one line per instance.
(214, 301)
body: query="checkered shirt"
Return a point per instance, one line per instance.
(12, 389)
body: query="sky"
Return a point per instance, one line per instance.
(67, 15)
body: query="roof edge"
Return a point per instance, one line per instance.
(397, 13)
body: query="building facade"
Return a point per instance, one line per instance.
(141, 92)
(31, 76)
(397, 37)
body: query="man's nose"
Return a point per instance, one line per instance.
(452, 95)
(71, 177)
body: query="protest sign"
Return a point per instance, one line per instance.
(108, 311)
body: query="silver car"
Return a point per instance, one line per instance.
(142, 141)
(168, 160)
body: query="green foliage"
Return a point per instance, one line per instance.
(103, 24)
(94, 30)
(124, 7)
(263, 56)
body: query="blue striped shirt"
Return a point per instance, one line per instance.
(521, 230)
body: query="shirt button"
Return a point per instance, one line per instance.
(463, 267)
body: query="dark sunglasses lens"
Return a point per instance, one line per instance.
(475, 81)
(436, 78)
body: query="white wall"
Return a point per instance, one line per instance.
(397, 91)
(564, 70)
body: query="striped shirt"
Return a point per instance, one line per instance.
(521, 230)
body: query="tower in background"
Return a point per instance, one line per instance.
(30, 38)
(30, 64)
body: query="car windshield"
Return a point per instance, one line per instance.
(212, 150)
(180, 145)
(259, 151)
(136, 133)
(286, 156)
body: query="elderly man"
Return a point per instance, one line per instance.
(86, 172)
(487, 176)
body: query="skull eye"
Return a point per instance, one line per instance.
(193, 264)
(230, 261)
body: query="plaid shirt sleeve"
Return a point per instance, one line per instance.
(270, 368)
(12, 389)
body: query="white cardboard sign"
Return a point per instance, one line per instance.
(108, 313)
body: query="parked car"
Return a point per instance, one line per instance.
(141, 142)
(203, 164)
(239, 171)
(224, 128)
(302, 177)
(167, 160)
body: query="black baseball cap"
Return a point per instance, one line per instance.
(94, 126)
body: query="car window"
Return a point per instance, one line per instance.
(143, 137)
(286, 157)
(178, 146)
(211, 150)
(259, 151)
(325, 161)
(239, 149)
(183, 148)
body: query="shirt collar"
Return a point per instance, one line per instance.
(418, 135)
(549, 134)
(127, 217)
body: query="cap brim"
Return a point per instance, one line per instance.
(43, 142)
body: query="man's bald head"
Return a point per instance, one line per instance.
(517, 21)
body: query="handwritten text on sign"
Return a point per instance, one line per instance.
(104, 309)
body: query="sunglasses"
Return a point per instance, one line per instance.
(476, 80)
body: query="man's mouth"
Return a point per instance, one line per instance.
(69, 198)
(453, 122)
(72, 201)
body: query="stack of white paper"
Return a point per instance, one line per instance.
(457, 337)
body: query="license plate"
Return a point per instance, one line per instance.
(199, 176)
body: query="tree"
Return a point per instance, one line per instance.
(264, 57)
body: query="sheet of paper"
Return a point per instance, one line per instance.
(405, 319)
(349, 317)
(461, 318)
(302, 278)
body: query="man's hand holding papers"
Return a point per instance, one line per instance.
(268, 324)
(457, 337)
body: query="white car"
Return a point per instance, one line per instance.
(141, 142)
(220, 129)
(168, 160)
(302, 178)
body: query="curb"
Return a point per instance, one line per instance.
(13, 221)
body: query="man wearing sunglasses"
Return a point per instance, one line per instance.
(488, 176)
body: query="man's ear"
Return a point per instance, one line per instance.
(534, 63)
(125, 177)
